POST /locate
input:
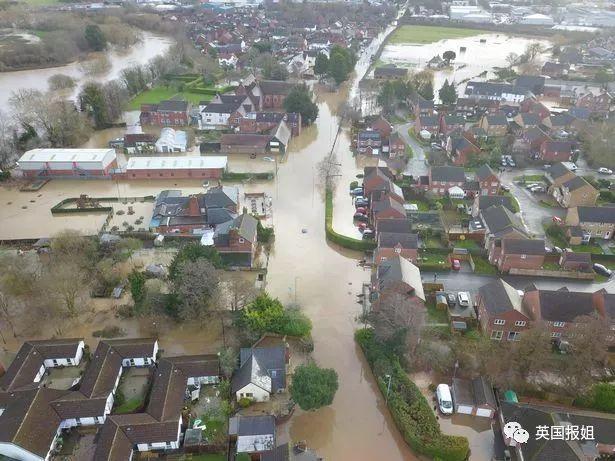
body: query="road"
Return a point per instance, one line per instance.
(416, 165)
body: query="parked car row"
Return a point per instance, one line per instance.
(360, 213)
(535, 188)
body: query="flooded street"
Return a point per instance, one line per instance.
(150, 46)
(478, 57)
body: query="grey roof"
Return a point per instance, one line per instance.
(487, 201)
(429, 120)
(558, 170)
(484, 172)
(563, 119)
(275, 87)
(253, 425)
(534, 247)
(173, 105)
(221, 108)
(245, 224)
(369, 134)
(264, 367)
(487, 89)
(448, 174)
(394, 225)
(500, 220)
(454, 120)
(499, 297)
(576, 183)
(563, 305)
(596, 214)
(477, 391)
(399, 269)
(391, 239)
(220, 197)
(497, 119)
(390, 70)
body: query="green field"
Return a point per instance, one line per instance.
(429, 34)
(160, 93)
(41, 2)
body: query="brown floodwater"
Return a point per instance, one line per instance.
(322, 278)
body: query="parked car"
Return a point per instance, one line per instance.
(510, 161)
(557, 250)
(557, 220)
(531, 186)
(435, 145)
(445, 399)
(537, 189)
(368, 234)
(361, 210)
(451, 299)
(357, 192)
(464, 298)
(602, 270)
(505, 187)
(605, 171)
(361, 203)
(360, 217)
(455, 264)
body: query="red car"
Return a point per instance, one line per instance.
(361, 210)
(455, 264)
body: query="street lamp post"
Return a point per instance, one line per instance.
(386, 398)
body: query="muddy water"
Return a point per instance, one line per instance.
(478, 57)
(149, 47)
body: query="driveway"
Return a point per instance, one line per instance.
(416, 165)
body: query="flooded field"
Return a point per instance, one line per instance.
(482, 53)
(150, 46)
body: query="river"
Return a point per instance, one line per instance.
(147, 48)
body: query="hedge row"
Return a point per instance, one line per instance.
(210, 91)
(339, 239)
(229, 176)
(410, 410)
(58, 208)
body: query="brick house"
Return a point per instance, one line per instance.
(273, 93)
(521, 254)
(378, 180)
(396, 276)
(599, 222)
(555, 151)
(430, 123)
(527, 120)
(460, 147)
(450, 123)
(488, 180)
(420, 106)
(597, 105)
(494, 124)
(385, 205)
(482, 202)
(397, 146)
(533, 138)
(500, 223)
(442, 178)
(557, 174)
(575, 192)
(555, 69)
(533, 106)
(501, 313)
(236, 240)
(167, 113)
(391, 244)
(577, 262)
(262, 122)
(382, 126)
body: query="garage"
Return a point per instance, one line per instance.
(464, 409)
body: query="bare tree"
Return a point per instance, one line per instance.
(197, 285)
(241, 292)
(228, 361)
(65, 281)
(329, 172)
(398, 319)
(532, 354)
(533, 50)
(512, 59)
(5, 313)
(7, 146)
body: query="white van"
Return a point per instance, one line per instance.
(445, 401)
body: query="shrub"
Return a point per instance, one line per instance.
(245, 402)
(601, 398)
(110, 331)
(410, 410)
(354, 185)
(267, 315)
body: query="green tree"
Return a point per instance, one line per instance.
(603, 77)
(427, 91)
(92, 102)
(197, 286)
(341, 63)
(321, 66)
(313, 387)
(192, 252)
(300, 100)
(449, 56)
(267, 315)
(137, 286)
(95, 37)
(448, 93)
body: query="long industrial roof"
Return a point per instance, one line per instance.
(66, 155)
(177, 163)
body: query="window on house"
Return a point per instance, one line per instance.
(241, 240)
(513, 336)
(559, 324)
(556, 335)
(523, 256)
(520, 323)
(497, 335)
(499, 322)
(249, 395)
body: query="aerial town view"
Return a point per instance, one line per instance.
(316, 230)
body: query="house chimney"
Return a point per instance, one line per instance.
(193, 206)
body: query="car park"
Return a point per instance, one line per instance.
(464, 298)
(445, 399)
(605, 171)
(602, 270)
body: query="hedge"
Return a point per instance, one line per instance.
(411, 412)
(243, 176)
(58, 208)
(342, 240)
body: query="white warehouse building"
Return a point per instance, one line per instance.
(68, 162)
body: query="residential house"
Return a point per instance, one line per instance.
(488, 180)
(262, 373)
(236, 240)
(420, 106)
(395, 226)
(501, 312)
(519, 253)
(429, 123)
(271, 93)
(534, 138)
(555, 69)
(369, 142)
(502, 92)
(533, 106)
(390, 244)
(527, 120)
(242, 143)
(451, 123)
(139, 143)
(461, 147)
(495, 125)
(382, 126)
(598, 105)
(442, 178)
(500, 223)
(260, 122)
(390, 72)
(171, 140)
(385, 205)
(220, 115)
(576, 262)
(397, 146)
(555, 151)
(551, 448)
(171, 112)
(474, 397)
(482, 202)
(530, 83)
(253, 435)
(598, 222)
(557, 174)
(397, 276)
(379, 180)
(575, 192)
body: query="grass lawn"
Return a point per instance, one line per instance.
(433, 242)
(530, 178)
(590, 248)
(482, 266)
(551, 266)
(469, 244)
(160, 93)
(429, 34)
(211, 457)
(436, 315)
(41, 2)
(128, 406)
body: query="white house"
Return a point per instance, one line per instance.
(171, 140)
(253, 434)
(262, 372)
